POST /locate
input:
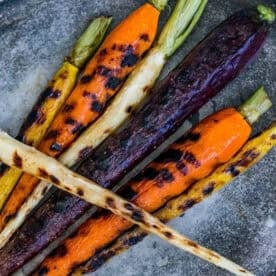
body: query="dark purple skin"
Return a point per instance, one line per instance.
(203, 73)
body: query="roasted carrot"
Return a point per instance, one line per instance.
(53, 97)
(213, 141)
(180, 24)
(101, 79)
(251, 153)
(34, 162)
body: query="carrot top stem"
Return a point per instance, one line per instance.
(266, 13)
(181, 23)
(255, 106)
(89, 41)
(159, 4)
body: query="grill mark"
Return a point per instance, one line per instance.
(113, 83)
(232, 170)
(166, 175)
(90, 95)
(43, 173)
(182, 167)
(129, 109)
(70, 121)
(190, 158)
(96, 106)
(86, 78)
(54, 179)
(144, 37)
(17, 160)
(193, 244)
(168, 234)
(129, 58)
(78, 128)
(10, 217)
(209, 188)
(80, 192)
(187, 204)
(68, 108)
(103, 71)
(170, 155)
(134, 240)
(110, 202)
(103, 52)
(135, 213)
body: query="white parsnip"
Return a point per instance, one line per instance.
(30, 160)
(136, 88)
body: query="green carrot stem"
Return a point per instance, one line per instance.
(159, 4)
(181, 23)
(266, 13)
(255, 106)
(89, 41)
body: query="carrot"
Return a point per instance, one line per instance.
(251, 153)
(101, 79)
(53, 97)
(40, 165)
(213, 141)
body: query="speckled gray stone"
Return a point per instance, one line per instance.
(239, 221)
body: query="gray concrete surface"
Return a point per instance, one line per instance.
(239, 221)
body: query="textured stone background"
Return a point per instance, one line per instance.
(239, 221)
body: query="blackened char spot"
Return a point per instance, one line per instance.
(233, 170)
(44, 190)
(144, 37)
(134, 240)
(42, 271)
(190, 158)
(129, 58)
(70, 121)
(78, 128)
(170, 155)
(90, 95)
(110, 202)
(169, 235)
(103, 71)
(96, 106)
(68, 108)
(52, 134)
(113, 83)
(60, 251)
(273, 136)
(55, 147)
(103, 52)
(43, 173)
(187, 204)
(208, 189)
(137, 215)
(9, 217)
(129, 109)
(54, 179)
(86, 78)
(49, 93)
(182, 167)
(80, 192)
(193, 244)
(17, 160)
(166, 175)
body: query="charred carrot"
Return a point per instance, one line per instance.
(53, 97)
(101, 79)
(46, 168)
(180, 24)
(202, 74)
(189, 159)
(251, 153)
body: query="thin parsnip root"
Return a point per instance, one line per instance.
(101, 79)
(251, 153)
(53, 97)
(46, 168)
(180, 24)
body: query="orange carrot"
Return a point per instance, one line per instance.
(101, 79)
(212, 142)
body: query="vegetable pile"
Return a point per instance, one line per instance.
(110, 89)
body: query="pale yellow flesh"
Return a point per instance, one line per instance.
(33, 162)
